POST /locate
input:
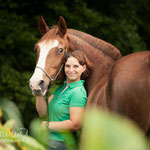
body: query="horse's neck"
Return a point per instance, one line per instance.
(102, 45)
(101, 62)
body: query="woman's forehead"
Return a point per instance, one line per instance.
(72, 60)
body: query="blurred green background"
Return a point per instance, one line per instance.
(123, 23)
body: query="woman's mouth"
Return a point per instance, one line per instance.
(71, 74)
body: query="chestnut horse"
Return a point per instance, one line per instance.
(120, 84)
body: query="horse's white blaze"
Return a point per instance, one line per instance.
(44, 50)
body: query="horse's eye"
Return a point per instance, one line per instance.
(60, 50)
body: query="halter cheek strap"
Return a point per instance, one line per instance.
(45, 73)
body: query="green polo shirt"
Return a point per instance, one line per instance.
(74, 95)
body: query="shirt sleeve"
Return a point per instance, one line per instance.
(78, 98)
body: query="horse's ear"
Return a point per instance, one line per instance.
(62, 26)
(43, 28)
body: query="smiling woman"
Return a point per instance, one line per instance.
(67, 103)
(73, 70)
(77, 66)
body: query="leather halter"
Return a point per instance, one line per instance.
(50, 77)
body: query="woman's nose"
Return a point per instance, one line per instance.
(71, 68)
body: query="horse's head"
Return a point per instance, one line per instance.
(50, 51)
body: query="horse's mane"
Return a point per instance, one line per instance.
(103, 46)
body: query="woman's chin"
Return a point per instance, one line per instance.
(70, 80)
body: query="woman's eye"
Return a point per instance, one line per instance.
(76, 66)
(60, 50)
(67, 66)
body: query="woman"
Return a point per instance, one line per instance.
(67, 103)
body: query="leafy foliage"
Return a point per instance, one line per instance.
(13, 135)
(100, 130)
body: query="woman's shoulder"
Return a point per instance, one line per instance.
(78, 97)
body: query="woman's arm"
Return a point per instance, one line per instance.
(76, 117)
(41, 105)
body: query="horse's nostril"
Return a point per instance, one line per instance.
(37, 92)
(41, 83)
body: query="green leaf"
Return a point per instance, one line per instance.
(30, 143)
(9, 124)
(22, 140)
(37, 132)
(11, 111)
(110, 132)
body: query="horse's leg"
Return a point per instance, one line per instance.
(129, 88)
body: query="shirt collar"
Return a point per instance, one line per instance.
(75, 84)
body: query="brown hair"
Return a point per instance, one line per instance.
(83, 60)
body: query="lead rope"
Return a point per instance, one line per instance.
(49, 86)
(47, 95)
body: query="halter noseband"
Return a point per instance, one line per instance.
(53, 79)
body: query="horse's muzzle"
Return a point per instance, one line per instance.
(38, 90)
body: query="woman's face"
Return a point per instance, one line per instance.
(73, 69)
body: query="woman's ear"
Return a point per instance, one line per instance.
(84, 68)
